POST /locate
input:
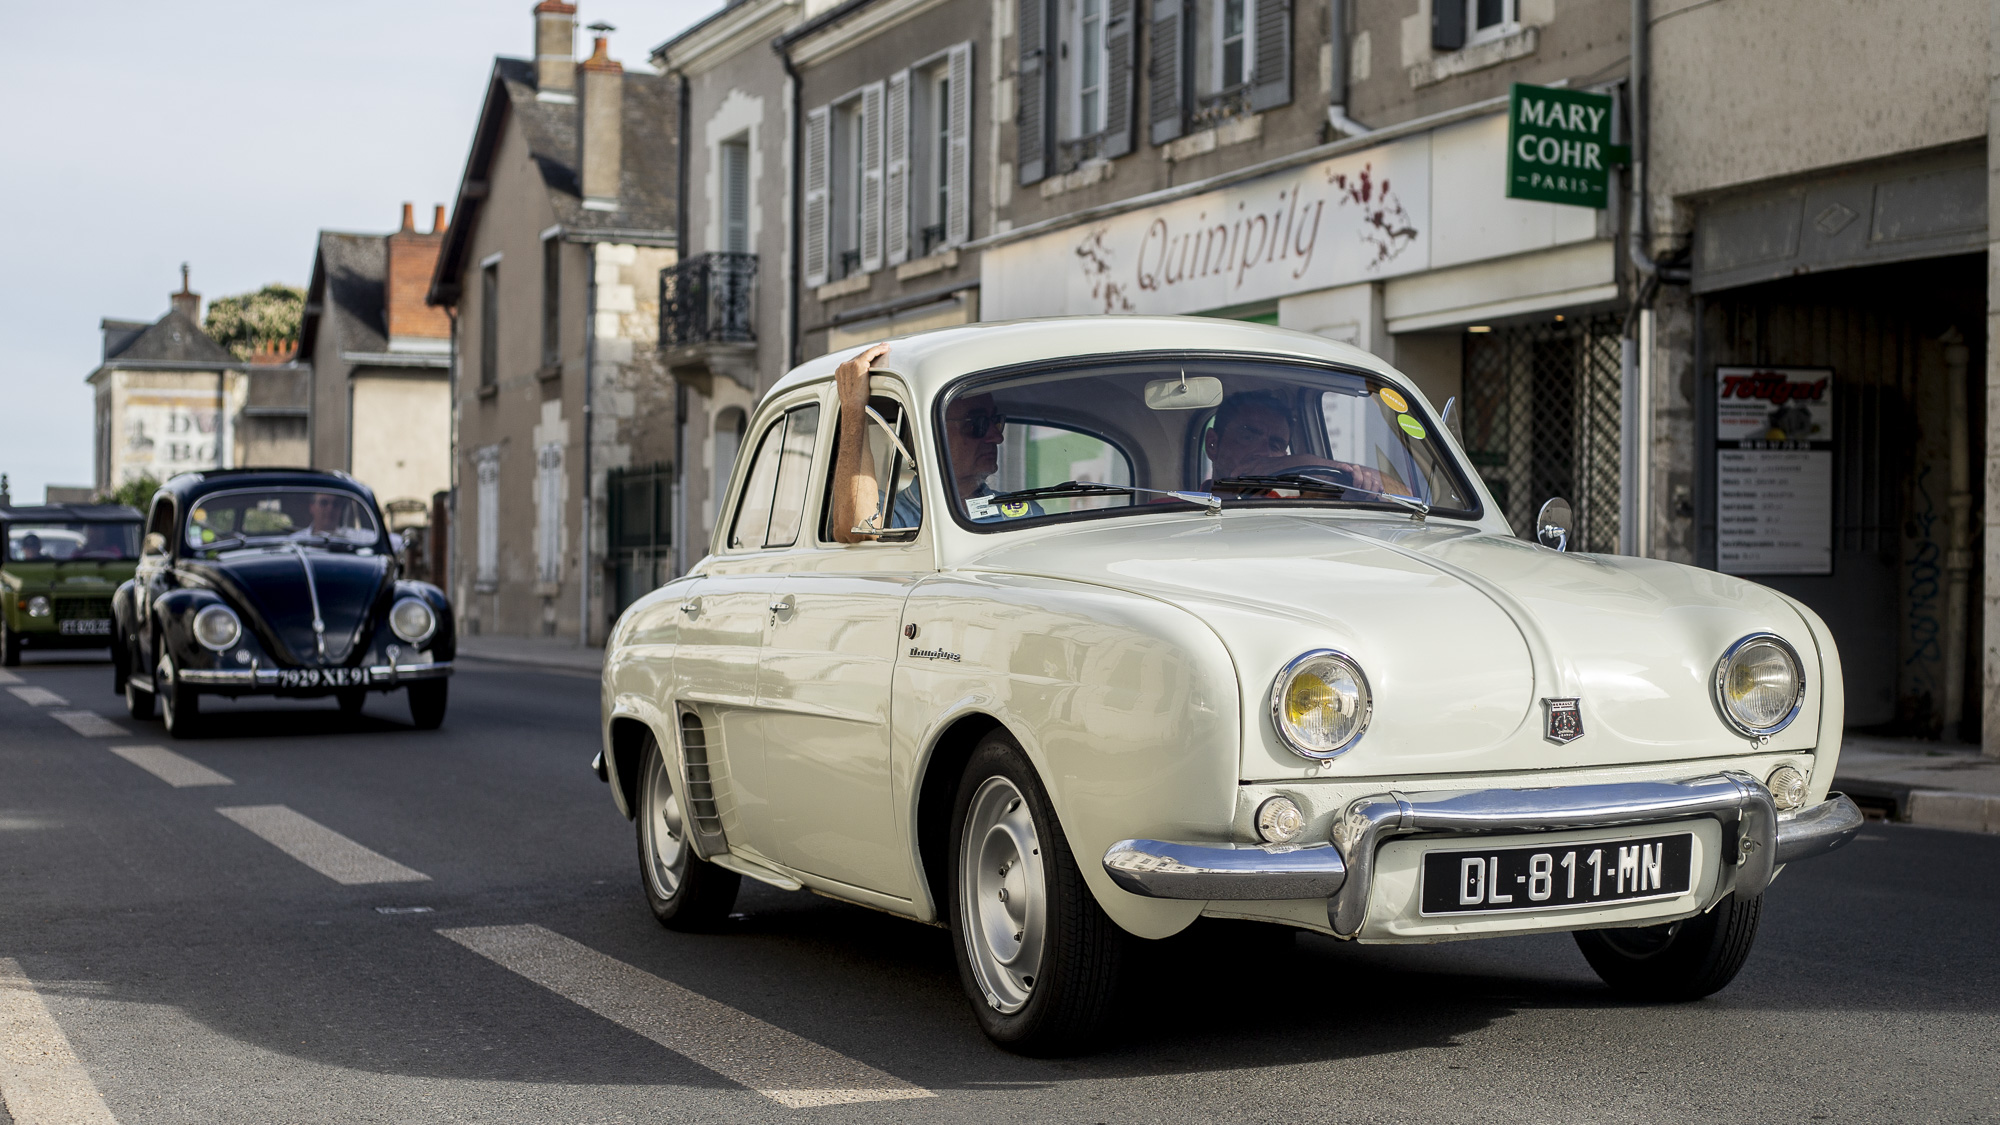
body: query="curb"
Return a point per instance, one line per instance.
(531, 661)
(1925, 808)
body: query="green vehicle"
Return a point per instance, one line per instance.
(59, 566)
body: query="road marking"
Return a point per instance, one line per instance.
(89, 724)
(175, 770)
(784, 1067)
(7, 677)
(37, 696)
(319, 847)
(41, 1080)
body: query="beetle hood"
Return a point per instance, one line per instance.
(269, 585)
(1462, 635)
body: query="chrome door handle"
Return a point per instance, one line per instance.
(780, 607)
(690, 608)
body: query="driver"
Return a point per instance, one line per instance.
(31, 548)
(326, 509)
(1252, 437)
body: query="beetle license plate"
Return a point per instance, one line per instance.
(85, 627)
(1548, 878)
(322, 677)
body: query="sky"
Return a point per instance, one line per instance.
(140, 135)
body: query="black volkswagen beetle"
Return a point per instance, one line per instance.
(274, 582)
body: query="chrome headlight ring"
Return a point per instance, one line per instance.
(217, 627)
(407, 630)
(1364, 703)
(40, 606)
(1746, 646)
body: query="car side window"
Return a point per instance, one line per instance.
(898, 499)
(774, 494)
(160, 523)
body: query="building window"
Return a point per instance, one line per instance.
(1212, 60)
(844, 186)
(549, 513)
(487, 570)
(1089, 63)
(489, 325)
(728, 439)
(551, 303)
(733, 164)
(1488, 19)
(931, 181)
(850, 128)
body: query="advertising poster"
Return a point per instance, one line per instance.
(170, 431)
(1774, 470)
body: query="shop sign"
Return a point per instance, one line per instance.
(170, 431)
(1774, 470)
(1559, 146)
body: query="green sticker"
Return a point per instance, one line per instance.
(1411, 426)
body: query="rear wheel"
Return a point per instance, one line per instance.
(427, 703)
(685, 891)
(1677, 961)
(180, 706)
(10, 645)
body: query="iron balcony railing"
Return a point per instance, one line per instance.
(706, 299)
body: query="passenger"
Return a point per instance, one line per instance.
(30, 548)
(1252, 437)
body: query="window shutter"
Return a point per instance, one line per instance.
(1118, 40)
(1447, 25)
(1271, 78)
(958, 162)
(871, 177)
(1031, 126)
(1164, 108)
(896, 172)
(817, 126)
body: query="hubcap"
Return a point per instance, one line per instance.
(664, 830)
(1005, 897)
(163, 687)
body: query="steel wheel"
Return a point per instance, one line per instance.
(685, 891)
(1006, 894)
(662, 829)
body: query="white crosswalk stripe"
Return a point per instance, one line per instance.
(41, 1081)
(319, 847)
(177, 771)
(784, 1067)
(89, 724)
(37, 696)
(7, 677)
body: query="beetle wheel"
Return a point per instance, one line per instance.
(180, 707)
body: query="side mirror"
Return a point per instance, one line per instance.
(156, 544)
(1553, 524)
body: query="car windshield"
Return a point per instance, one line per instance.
(1102, 437)
(326, 517)
(47, 542)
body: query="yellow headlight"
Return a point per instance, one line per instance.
(1320, 704)
(1759, 684)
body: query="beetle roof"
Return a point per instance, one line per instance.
(187, 485)
(931, 360)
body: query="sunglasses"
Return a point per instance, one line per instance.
(980, 423)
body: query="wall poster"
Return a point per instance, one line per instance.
(1774, 470)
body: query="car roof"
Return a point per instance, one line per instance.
(72, 513)
(929, 361)
(189, 485)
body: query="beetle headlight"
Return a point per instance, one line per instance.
(412, 620)
(38, 606)
(1759, 685)
(1320, 704)
(217, 627)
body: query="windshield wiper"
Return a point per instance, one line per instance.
(1306, 482)
(1092, 488)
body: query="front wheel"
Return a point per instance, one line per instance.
(180, 707)
(351, 700)
(138, 702)
(427, 703)
(685, 891)
(1038, 957)
(1677, 961)
(10, 645)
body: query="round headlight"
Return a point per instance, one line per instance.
(38, 606)
(1279, 821)
(1759, 685)
(412, 620)
(216, 627)
(1320, 704)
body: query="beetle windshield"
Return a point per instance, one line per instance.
(1103, 436)
(324, 517)
(56, 542)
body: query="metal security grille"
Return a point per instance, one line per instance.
(82, 609)
(1541, 420)
(640, 535)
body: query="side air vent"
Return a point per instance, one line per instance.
(700, 784)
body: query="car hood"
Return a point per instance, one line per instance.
(269, 585)
(1462, 634)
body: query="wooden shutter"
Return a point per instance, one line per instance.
(958, 161)
(1271, 78)
(1119, 38)
(1031, 111)
(1165, 103)
(896, 171)
(818, 125)
(1447, 25)
(871, 176)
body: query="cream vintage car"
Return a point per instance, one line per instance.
(1164, 618)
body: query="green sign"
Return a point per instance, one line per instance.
(1559, 146)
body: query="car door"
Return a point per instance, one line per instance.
(726, 613)
(824, 690)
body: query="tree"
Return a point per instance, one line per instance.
(268, 319)
(134, 493)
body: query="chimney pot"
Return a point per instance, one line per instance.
(409, 217)
(601, 131)
(555, 46)
(186, 302)
(437, 219)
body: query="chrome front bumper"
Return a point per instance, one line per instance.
(379, 675)
(1342, 871)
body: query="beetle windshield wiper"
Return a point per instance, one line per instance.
(1306, 482)
(1092, 488)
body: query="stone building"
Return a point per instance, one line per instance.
(550, 272)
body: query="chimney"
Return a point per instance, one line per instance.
(555, 46)
(437, 219)
(601, 134)
(187, 302)
(413, 325)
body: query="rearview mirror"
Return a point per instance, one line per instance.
(1198, 393)
(1553, 524)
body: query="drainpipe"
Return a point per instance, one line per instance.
(797, 209)
(589, 380)
(448, 583)
(680, 521)
(1336, 113)
(1958, 556)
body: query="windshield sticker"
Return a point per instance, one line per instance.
(1014, 510)
(1411, 426)
(980, 508)
(1395, 401)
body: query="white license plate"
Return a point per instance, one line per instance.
(85, 627)
(322, 677)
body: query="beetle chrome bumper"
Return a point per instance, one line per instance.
(1343, 872)
(378, 675)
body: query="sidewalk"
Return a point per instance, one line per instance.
(1933, 784)
(555, 653)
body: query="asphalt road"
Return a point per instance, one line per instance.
(176, 964)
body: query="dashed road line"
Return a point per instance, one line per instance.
(41, 1081)
(788, 1069)
(319, 847)
(89, 724)
(37, 696)
(172, 768)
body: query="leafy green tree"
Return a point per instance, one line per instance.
(135, 493)
(267, 318)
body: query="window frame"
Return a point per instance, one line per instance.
(1509, 23)
(732, 222)
(879, 387)
(846, 170)
(551, 302)
(489, 325)
(1079, 27)
(756, 430)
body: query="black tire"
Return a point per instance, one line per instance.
(138, 702)
(121, 664)
(1678, 961)
(351, 700)
(427, 703)
(180, 705)
(10, 645)
(685, 891)
(1065, 1004)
